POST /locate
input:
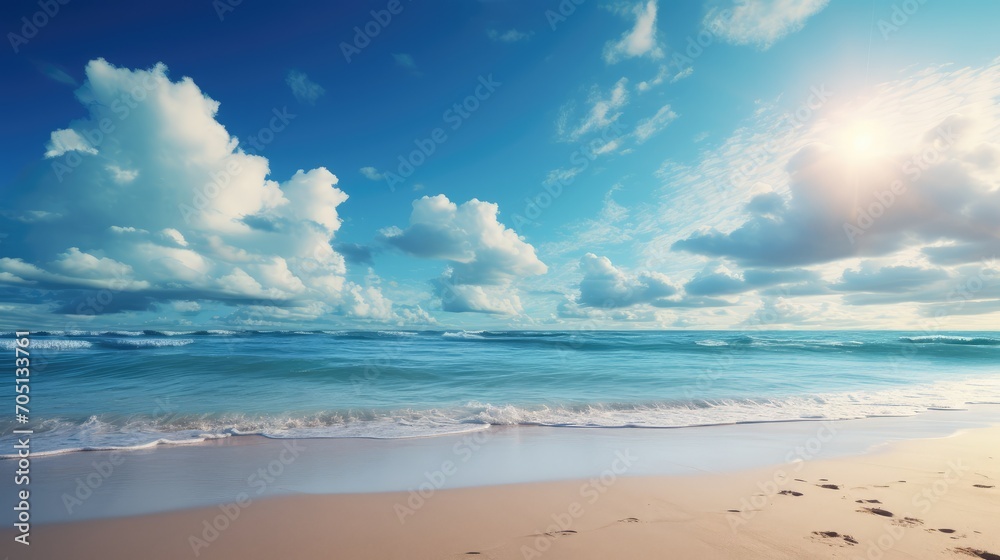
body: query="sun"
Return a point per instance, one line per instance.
(862, 140)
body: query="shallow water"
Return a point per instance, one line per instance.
(98, 390)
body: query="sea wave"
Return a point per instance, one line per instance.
(465, 335)
(132, 343)
(48, 344)
(61, 435)
(949, 339)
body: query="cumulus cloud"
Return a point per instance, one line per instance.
(67, 140)
(760, 22)
(304, 89)
(638, 41)
(485, 257)
(198, 219)
(371, 173)
(604, 285)
(721, 281)
(355, 253)
(923, 183)
(893, 279)
(783, 311)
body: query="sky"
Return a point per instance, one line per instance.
(500, 164)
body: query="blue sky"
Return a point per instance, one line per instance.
(501, 164)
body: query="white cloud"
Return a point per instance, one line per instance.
(604, 111)
(787, 191)
(75, 263)
(225, 231)
(371, 173)
(682, 74)
(67, 140)
(832, 201)
(185, 306)
(174, 236)
(650, 126)
(122, 176)
(304, 89)
(485, 257)
(647, 85)
(605, 286)
(640, 40)
(760, 22)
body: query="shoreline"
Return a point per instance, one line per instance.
(106, 484)
(931, 496)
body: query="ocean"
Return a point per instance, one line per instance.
(122, 389)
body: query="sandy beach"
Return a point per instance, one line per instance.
(922, 498)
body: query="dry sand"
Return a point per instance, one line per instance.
(933, 498)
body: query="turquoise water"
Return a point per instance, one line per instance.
(93, 390)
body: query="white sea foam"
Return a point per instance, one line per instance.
(49, 344)
(60, 436)
(397, 333)
(145, 342)
(464, 334)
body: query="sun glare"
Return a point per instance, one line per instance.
(861, 140)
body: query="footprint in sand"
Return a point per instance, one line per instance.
(978, 553)
(909, 522)
(835, 535)
(877, 511)
(947, 532)
(867, 502)
(467, 553)
(982, 486)
(829, 486)
(790, 493)
(632, 519)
